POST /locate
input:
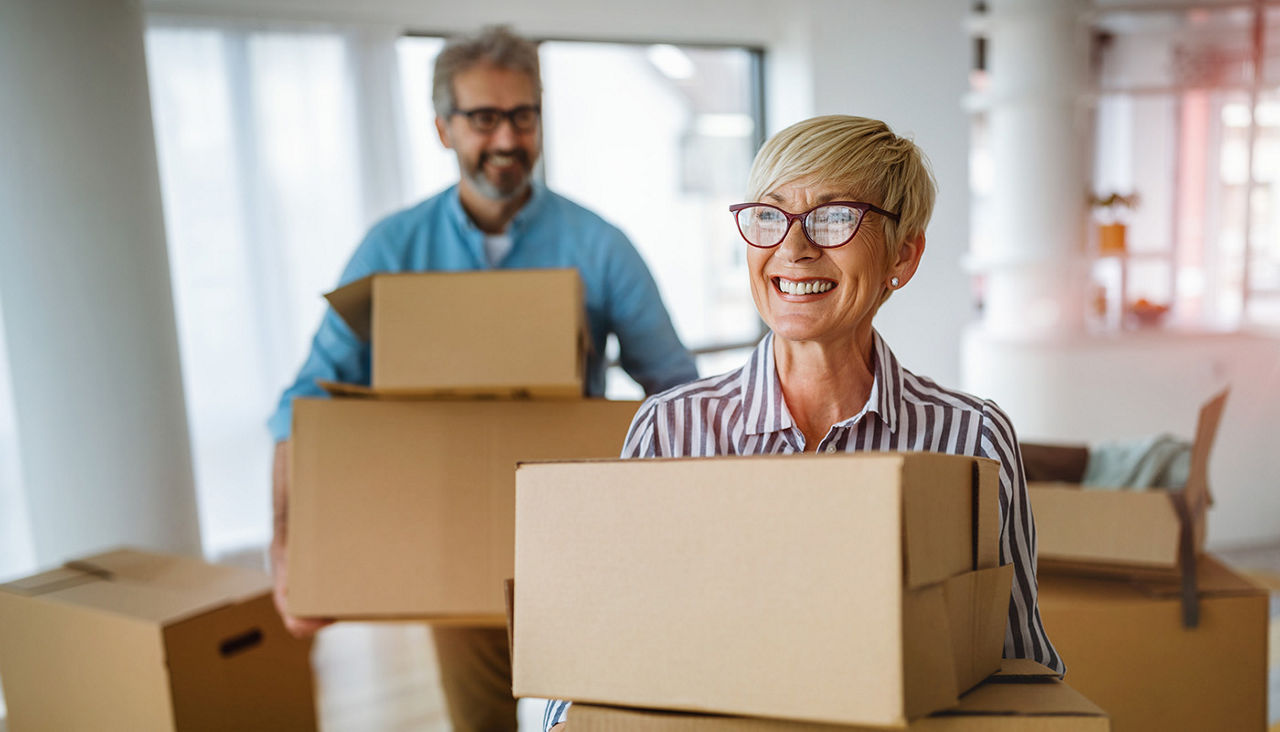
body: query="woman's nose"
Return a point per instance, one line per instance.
(796, 246)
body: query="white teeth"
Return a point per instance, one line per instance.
(804, 288)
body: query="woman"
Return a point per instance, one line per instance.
(835, 224)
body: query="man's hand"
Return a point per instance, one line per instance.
(558, 727)
(298, 627)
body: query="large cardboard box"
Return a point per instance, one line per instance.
(837, 588)
(135, 642)
(1127, 531)
(1126, 649)
(1023, 697)
(491, 332)
(402, 509)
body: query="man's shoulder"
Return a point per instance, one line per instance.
(560, 207)
(423, 213)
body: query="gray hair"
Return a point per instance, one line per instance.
(494, 46)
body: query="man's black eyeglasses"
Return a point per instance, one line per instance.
(523, 118)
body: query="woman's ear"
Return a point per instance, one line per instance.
(904, 265)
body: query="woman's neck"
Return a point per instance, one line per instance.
(824, 382)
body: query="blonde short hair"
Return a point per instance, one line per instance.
(861, 155)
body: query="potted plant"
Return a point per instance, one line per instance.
(1111, 224)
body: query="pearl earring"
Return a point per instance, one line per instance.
(893, 282)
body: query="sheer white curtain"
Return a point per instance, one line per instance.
(278, 147)
(17, 555)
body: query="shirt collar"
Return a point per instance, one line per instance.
(766, 408)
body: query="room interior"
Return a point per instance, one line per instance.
(159, 284)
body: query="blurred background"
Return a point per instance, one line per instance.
(1103, 257)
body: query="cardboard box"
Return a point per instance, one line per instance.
(491, 332)
(1023, 697)
(407, 509)
(1127, 531)
(134, 641)
(1126, 649)
(824, 588)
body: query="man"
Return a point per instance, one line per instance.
(487, 94)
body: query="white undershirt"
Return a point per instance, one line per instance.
(496, 247)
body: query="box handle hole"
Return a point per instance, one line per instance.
(240, 643)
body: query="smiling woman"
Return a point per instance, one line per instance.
(835, 225)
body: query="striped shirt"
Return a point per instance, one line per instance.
(743, 413)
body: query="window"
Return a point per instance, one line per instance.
(261, 179)
(280, 145)
(1188, 118)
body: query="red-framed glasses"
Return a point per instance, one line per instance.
(826, 226)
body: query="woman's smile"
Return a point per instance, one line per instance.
(802, 290)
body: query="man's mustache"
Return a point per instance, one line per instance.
(521, 155)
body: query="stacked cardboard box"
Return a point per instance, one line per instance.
(1127, 648)
(1022, 697)
(851, 589)
(130, 640)
(402, 494)
(1158, 633)
(1124, 532)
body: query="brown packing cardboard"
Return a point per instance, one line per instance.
(807, 587)
(407, 508)
(134, 641)
(1123, 531)
(1126, 649)
(1024, 697)
(492, 332)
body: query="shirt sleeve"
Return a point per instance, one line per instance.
(642, 436)
(337, 353)
(651, 352)
(555, 714)
(1024, 636)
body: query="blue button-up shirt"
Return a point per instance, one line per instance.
(549, 231)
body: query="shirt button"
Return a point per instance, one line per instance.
(831, 448)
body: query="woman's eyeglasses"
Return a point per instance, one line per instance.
(826, 226)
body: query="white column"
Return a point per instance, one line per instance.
(1039, 133)
(84, 278)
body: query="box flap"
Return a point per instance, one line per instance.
(152, 587)
(987, 536)
(1197, 490)
(353, 303)
(344, 389)
(943, 528)
(929, 677)
(1024, 668)
(1213, 579)
(978, 609)
(1025, 696)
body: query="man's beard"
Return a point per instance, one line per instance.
(511, 186)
